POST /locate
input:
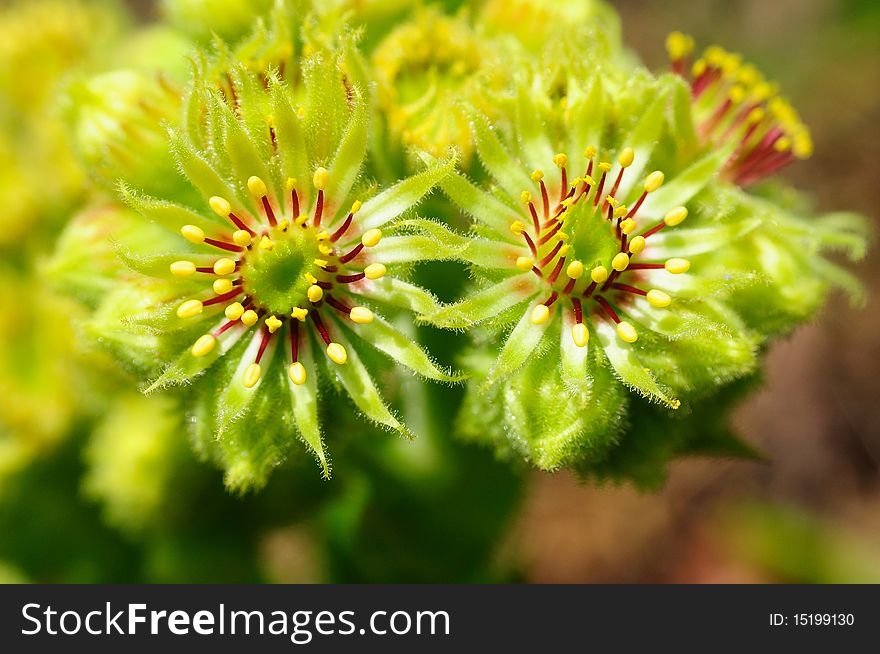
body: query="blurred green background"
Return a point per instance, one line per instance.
(77, 503)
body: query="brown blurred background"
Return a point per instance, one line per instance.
(812, 513)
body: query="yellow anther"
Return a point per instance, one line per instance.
(654, 181)
(193, 234)
(525, 263)
(272, 324)
(540, 314)
(310, 278)
(301, 219)
(323, 235)
(220, 206)
(599, 274)
(297, 373)
(321, 263)
(266, 243)
(675, 216)
(234, 311)
(575, 270)
(189, 309)
(782, 144)
(251, 375)
(375, 271)
(736, 94)
(580, 334)
(355, 207)
(627, 332)
(324, 249)
(250, 317)
(611, 200)
(315, 293)
(203, 345)
(537, 176)
(224, 266)
(337, 353)
(371, 238)
(321, 178)
(564, 237)
(589, 181)
(677, 266)
(526, 197)
(182, 268)
(564, 250)
(679, 45)
(517, 227)
(698, 68)
(626, 157)
(604, 166)
(283, 224)
(590, 152)
(270, 121)
(620, 261)
(756, 115)
(361, 315)
(658, 299)
(803, 145)
(242, 238)
(628, 226)
(637, 244)
(222, 286)
(299, 313)
(621, 211)
(715, 54)
(256, 186)
(561, 159)
(567, 202)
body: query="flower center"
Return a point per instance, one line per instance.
(275, 272)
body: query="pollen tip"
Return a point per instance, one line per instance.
(371, 237)
(234, 311)
(315, 293)
(654, 181)
(323, 235)
(526, 197)
(575, 270)
(580, 334)
(677, 266)
(190, 309)
(361, 315)
(242, 238)
(297, 373)
(257, 187)
(627, 332)
(203, 345)
(375, 271)
(251, 375)
(626, 157)
(628, 226)
(221, 286)
(658, 299)
(301, 219)
(604, 166)
(675, 216)
(621, 211)
(266, 243)
(679, 45)
(337, 353)
(560, 160)
(324, 249)
(590, 152)
(355, 207)
(249, 317)
(299, 313)
(525, 263)
(224, 266)
(517, 227)
(220, 206)
(537, 175)
(620, 261)
(637, 244)
(599, 274)
(290, 184)
(182, 268)
(272, 324)
(193, 234)
(321, 178)
(540, 314)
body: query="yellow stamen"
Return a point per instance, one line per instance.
(371, 238)
(590, 152)
(658, 299)
(234, 311)
(337, 353)
(627, 332)
(250, 317)
(620, 211)
(315, 293)
(189, 309)
(599, 274)
(654, 181)
(251, 375)
(222, 286)
(193, 234)
(323, 235)
(182, 268)
(297, 373)
(604, 166)
(375, 271)
(540, 314)
(628, 226)
(242, 238)
(299, 313)
(637, 244)
(224, 266)
(361, 315)
(290, 184)
(525, 263)
(321, 178)
(526, 197)
(321, 263)
(677, 266)
(324, 249)
(272, 324)
(620, 261)
(220, 206)
(301, 219)
(537, 176)
(517, 227)
(203, 345)
(256, 186)
(575, 270)
(565, 249)
(266, 243)
(580, 334)
(679, 45)
(675, 216)
(626, 157)
(561, 159)
(310, 278)
(355, 207)
(283, 224)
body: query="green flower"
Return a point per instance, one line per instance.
(277, 274)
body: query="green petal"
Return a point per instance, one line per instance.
(304, 399)
(350, 156)
(520, 345)
(685, 185)
(485, 304)
(235, 399)
(574, 360)
(431, 241)
(679, 242)
(291, 140)
(397, 293)
(507, 171)
(532, 138)
(202, 175)
(642, 140)
(479, 204)
(169, 215)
